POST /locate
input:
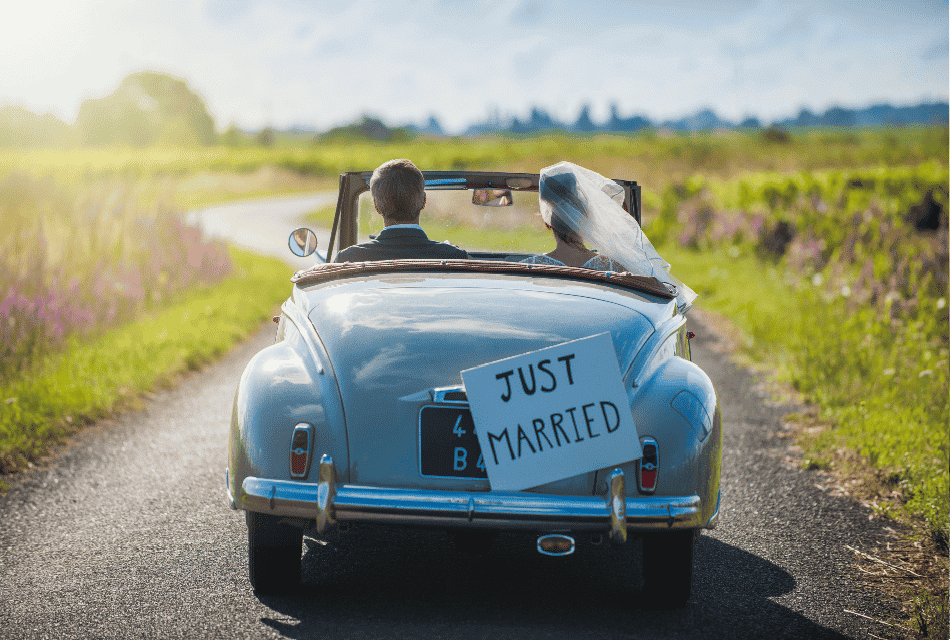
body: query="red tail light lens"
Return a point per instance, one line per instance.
(301, 446)
(649, 467)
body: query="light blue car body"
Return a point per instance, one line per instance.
(359, 358)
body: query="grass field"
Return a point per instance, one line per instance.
(653, 158)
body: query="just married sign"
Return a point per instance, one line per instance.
(551, 414)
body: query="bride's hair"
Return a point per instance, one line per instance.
(561, 192)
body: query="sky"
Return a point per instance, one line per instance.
(320, 64)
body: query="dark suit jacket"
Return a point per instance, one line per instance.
(395, 244)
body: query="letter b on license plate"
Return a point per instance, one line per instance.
(448, 444)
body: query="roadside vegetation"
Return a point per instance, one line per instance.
(102, 298)
(853, 265)
(864, 253)
(92, 374)
(825, 248)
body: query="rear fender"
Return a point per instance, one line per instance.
(687, 430)
(283, 385)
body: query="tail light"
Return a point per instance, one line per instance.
(649, 466)
(301, 447)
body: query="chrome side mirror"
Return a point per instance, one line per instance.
(492, 197)
(302, 242)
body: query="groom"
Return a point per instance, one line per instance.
(399, 196)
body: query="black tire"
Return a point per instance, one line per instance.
(274, 550)
(668, 567)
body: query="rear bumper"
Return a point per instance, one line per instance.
(327, 504)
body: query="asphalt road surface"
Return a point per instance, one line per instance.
(126, 534)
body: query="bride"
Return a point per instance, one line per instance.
(580, 205)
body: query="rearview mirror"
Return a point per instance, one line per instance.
(492, 197)
(302, 242)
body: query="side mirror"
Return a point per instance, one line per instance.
(302, 242)
(492, 197)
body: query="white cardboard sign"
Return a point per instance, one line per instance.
(551, 414)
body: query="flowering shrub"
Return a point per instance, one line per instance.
(878, 232)
(76, 260)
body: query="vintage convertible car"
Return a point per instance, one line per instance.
(358, 412)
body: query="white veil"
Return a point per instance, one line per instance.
(591, 205)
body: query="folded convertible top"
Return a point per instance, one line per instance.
(335, 271)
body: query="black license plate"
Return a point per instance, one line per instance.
(448, 446)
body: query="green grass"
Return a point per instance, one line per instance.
(881, 384)
(322, 218)
(89, 380)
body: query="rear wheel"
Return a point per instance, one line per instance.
(273, 553)
(668, 567)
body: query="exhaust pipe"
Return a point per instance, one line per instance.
(556, 544)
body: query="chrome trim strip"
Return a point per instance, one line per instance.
(493, 510)
(438, 184)
(439, 393)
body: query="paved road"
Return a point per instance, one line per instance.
(264, 225)
(126, 534)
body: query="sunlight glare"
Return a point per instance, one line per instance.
(42, 44)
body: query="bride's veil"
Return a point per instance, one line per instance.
(591, 205)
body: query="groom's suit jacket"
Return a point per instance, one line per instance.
(395, 244)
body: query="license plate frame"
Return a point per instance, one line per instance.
(443, 431)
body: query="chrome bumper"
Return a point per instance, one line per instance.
(328, 504)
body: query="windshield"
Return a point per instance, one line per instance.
(451, 216)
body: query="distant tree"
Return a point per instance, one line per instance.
(583, 123)
(616, 123)
(839, 117)
(517, 126)
(433, 127)
(541, 120)
(750, 122)
(233, 137)
(146, 109)
(368, 129)
(265, 137)
(705, 120)
(22, 128)
(806, 119)
(775, 135)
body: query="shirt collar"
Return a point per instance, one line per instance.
(404, 226)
